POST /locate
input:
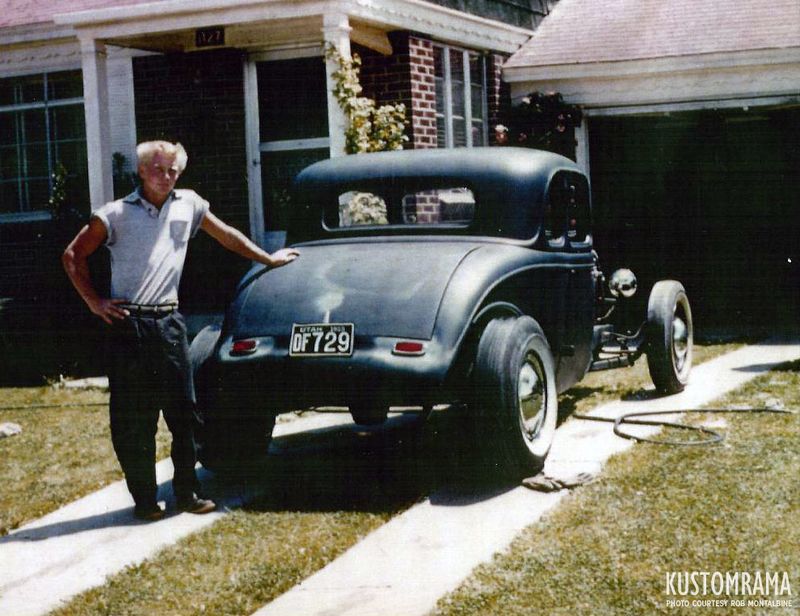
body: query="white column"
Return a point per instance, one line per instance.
(122, 108)
(582, 149)
(336, 31)
(98, 126)
(252, 141)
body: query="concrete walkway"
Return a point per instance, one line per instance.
(76, 547)
(407, 564)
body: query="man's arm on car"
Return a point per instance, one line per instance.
(236, 241)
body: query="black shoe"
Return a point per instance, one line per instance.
(148, 513)
(196, 505)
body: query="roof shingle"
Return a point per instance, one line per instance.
(34, 12)
(587, 31)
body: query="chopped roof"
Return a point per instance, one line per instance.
(33, 12)
(587, 31)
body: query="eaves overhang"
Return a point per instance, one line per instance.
(761, 77)
(35, 34)
(652, 66)
(126, 25)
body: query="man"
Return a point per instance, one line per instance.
(147, 234)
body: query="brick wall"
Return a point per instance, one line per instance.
(386, 78)
(424, 206)
(423, 92)
(498, 93)
(405, 77)
(198, 100)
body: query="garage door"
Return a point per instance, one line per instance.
(710, 198)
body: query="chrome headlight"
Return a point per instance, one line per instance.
(622, 283)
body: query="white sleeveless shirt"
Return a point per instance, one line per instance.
(148, 245)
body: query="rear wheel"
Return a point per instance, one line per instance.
(366, 413)
(670, 334)
(235, 433)
(237, 444)
(515, 405)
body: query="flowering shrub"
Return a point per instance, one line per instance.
(362, 208)
(542, 121)
(369, 128)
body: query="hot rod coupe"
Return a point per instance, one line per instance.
(460, 277)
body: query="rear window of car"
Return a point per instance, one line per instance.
(435, 206)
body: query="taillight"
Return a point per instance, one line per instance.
(244, 347)
(409, 347)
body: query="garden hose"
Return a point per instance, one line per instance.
(712, 436)
(32, 407)
(626, 418)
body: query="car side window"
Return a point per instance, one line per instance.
(567, 211)
(555, 212)
(578, 209)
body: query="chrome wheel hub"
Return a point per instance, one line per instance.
(680, 342)
(531, 397)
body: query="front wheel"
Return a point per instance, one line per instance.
(670, 335)
(516, 405)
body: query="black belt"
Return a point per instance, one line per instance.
(149, 310)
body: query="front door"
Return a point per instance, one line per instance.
(292, 129)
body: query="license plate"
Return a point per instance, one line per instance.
(321, 340)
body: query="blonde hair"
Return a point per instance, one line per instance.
(146, 150)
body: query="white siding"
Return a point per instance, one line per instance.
(40, 58)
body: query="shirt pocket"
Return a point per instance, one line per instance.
(179, 232)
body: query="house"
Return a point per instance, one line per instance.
(243, 84)
(690, 130)
(692, 134)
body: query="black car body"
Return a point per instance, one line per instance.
(425, 277)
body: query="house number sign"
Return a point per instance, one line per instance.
(209, 37)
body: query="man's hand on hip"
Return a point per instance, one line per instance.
(107, 309)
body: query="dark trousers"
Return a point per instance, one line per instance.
(149, 370)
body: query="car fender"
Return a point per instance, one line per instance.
(502, 279)
(203, 346)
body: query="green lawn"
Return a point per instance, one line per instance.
(62, 453)
(608, 547)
